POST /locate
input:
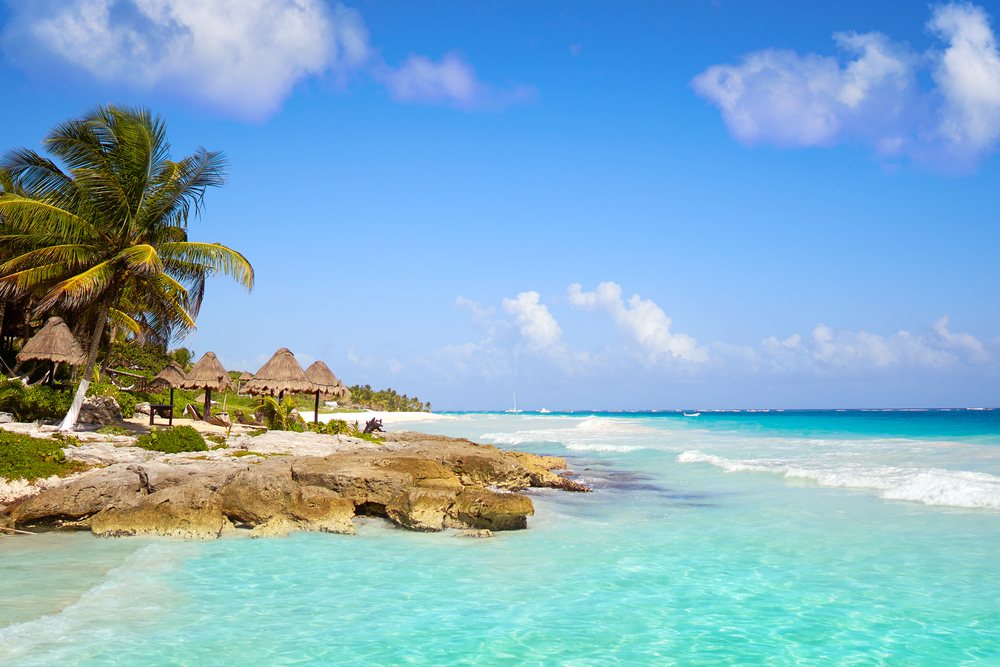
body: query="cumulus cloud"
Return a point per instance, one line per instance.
(450, 81)
(782, 98)
(643, 320)
(241, 58)
(536, 324)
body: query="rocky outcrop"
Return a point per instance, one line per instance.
(103, 410)
(267, 498)
(419, 482)
(192, 512)
(81, 497)
(142, 409)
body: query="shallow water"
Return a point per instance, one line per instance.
(732, 540)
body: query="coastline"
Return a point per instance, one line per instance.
(282, 481)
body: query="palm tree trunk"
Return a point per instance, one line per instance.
(111, 351)
(69, 422)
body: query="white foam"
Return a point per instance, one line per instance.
(99, 613)
(599, 434)
(930, 486)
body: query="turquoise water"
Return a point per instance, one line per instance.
(733, 539)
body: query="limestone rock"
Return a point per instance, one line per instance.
(103, 410)
(155, 476)
(474, 532)
(425, 473)
(369, 487)
(191, 512)
(6, 418)
(546, 462)
(421, 509)
(141, 410)
(82, 496)
(480, 508)
(267, 497)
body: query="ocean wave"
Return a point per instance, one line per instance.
(591, 434)
(98, 614)
(930, 486)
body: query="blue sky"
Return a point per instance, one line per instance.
(459, 200)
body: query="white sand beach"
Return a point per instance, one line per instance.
(386, 417)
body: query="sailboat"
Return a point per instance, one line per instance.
(515, 410)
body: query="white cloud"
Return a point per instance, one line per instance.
(781, 98)
(451, 81)
(242, 57)
(239, 57)
(643, 320)
(534, 320)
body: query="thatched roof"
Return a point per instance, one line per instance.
(54, 342)
(201, 400)
(328, 383)
(208, 373)
(281, 373)
(247, 375)
(171, 376)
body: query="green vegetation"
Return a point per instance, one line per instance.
(173, 440)
(279, 416)
(30, 403)
(386, 400)
(341, 427)
(217, 439)
(114, 430)
(24, 457)
(105, 244)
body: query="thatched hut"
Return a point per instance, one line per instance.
(281, 373)
(54, 343)
(172, 376)
(243, 379)
(326, 383)
(208, 374)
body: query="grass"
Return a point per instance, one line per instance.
(24, 457)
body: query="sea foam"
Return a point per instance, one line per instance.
(598, 434)
(931, 486)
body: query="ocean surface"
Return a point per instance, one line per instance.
(725, 538)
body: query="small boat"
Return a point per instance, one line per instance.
(515, 410)
(692, 414)
(544, 411)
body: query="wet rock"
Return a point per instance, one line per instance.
(420, 509)
(480, 508)
(103, 410)
(267, 498)
(479, 533)
(191, 512)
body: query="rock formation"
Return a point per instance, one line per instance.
(419, 482)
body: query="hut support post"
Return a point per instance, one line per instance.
(316, 414)
(208, 402)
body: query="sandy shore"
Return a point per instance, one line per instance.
(386, 417)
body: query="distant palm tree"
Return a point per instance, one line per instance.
(184, 358)
(109, 236)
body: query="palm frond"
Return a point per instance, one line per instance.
(214, 257)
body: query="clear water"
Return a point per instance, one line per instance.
(724, 539)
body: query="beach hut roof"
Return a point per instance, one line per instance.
(247, 375)
(171, 376)
(208, 373)
(321, 375)
(55, 343)
(281, 373)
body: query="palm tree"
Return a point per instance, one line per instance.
(109, 236)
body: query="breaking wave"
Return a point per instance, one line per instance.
(596, 434)
(930, 486)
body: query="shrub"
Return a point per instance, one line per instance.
(173, 441)
(30, 403)
(24, 457)
(339, 426)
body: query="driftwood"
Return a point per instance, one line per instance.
(373, 425)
